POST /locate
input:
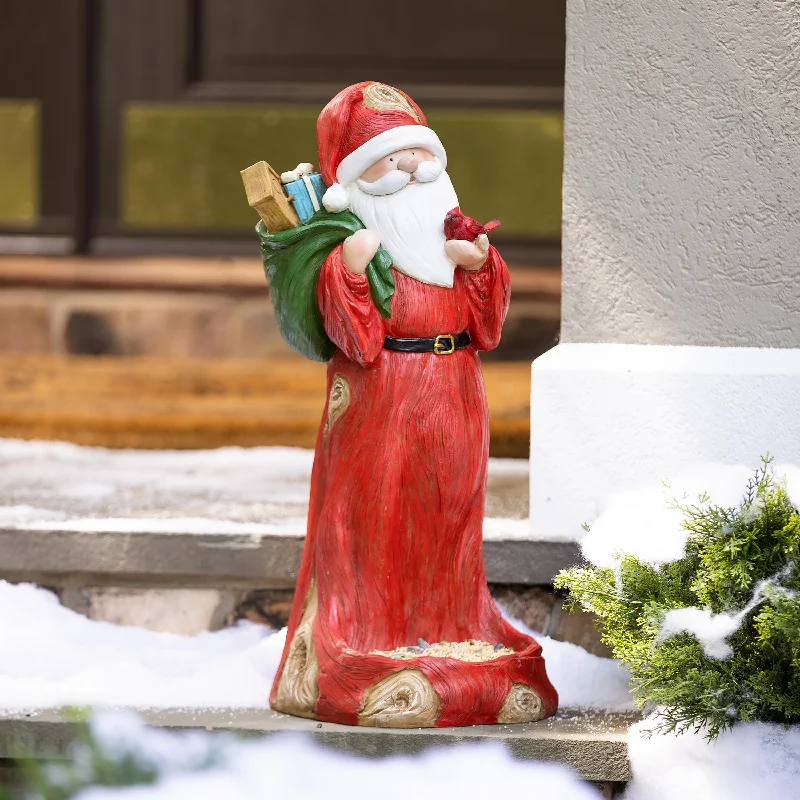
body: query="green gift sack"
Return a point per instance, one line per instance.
(292, 261)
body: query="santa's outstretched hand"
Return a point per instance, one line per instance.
(359, 249)
(468, 255)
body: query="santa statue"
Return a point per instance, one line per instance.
(392, 623)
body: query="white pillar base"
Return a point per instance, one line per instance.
(611, 417)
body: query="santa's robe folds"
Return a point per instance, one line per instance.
(394, 545)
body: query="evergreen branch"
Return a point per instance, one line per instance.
(742, 561)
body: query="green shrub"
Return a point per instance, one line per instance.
(739, 561)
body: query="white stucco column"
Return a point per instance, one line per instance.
(681, 251)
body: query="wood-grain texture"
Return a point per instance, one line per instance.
(394, 539)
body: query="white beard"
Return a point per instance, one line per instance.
(410, 223)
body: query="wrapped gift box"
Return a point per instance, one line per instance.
(266, 195)
(306, 194)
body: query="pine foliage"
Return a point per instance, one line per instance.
(736, 559)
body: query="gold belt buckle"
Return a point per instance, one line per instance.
(439, 345)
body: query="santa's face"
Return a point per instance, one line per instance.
(406, 160)
(404, 198)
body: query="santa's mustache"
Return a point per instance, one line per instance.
(394, 180)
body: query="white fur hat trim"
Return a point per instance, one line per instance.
(335, 198)
(399, 138)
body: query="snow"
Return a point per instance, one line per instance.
(124, 733)
(583, 680)
(709, 629)
(752, 760)
(231, 484)
(33, 519)
(21, 515)
(646, 523)
(495, 529)
(287, 526)
(258, 491)
(52, 656)
(509, 466)
(293, 767)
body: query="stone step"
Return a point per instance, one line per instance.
(594, 745)
(186, 541)
(232, 518)
(156, 403)
(219, 560)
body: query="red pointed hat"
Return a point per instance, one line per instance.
(361, 125)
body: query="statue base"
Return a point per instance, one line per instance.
(323, 679)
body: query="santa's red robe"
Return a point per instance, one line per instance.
(394, 543)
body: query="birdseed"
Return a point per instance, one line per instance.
(471, 650)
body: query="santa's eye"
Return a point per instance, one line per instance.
(391, 159)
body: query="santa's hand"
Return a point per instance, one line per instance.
(468, 255)
(359, 249)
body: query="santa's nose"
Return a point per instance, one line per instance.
(408, 164)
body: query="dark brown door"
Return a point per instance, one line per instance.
(126, 121)
(43, 136)
(192, 91)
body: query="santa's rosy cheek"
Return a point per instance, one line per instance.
(379, 169)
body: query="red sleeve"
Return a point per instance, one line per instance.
(488, 292)
(348, 313)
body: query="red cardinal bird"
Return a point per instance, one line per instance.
(460, 226)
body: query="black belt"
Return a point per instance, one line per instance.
(442, 345)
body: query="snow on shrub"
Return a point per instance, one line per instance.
(711, 638)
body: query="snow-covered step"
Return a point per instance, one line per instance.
(54, 658)
(593, 744)
(232, 517)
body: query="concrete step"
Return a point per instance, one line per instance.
(186, 541)
(229, 518)
(222, 560)
(594, 745)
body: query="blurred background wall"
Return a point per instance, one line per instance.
(124, 124)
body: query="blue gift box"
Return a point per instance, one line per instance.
(302, 199)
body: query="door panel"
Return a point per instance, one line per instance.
(181, 163)
(191, 92)
(467, 42)
(127, 121)
(42, 117)
(19, 162)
